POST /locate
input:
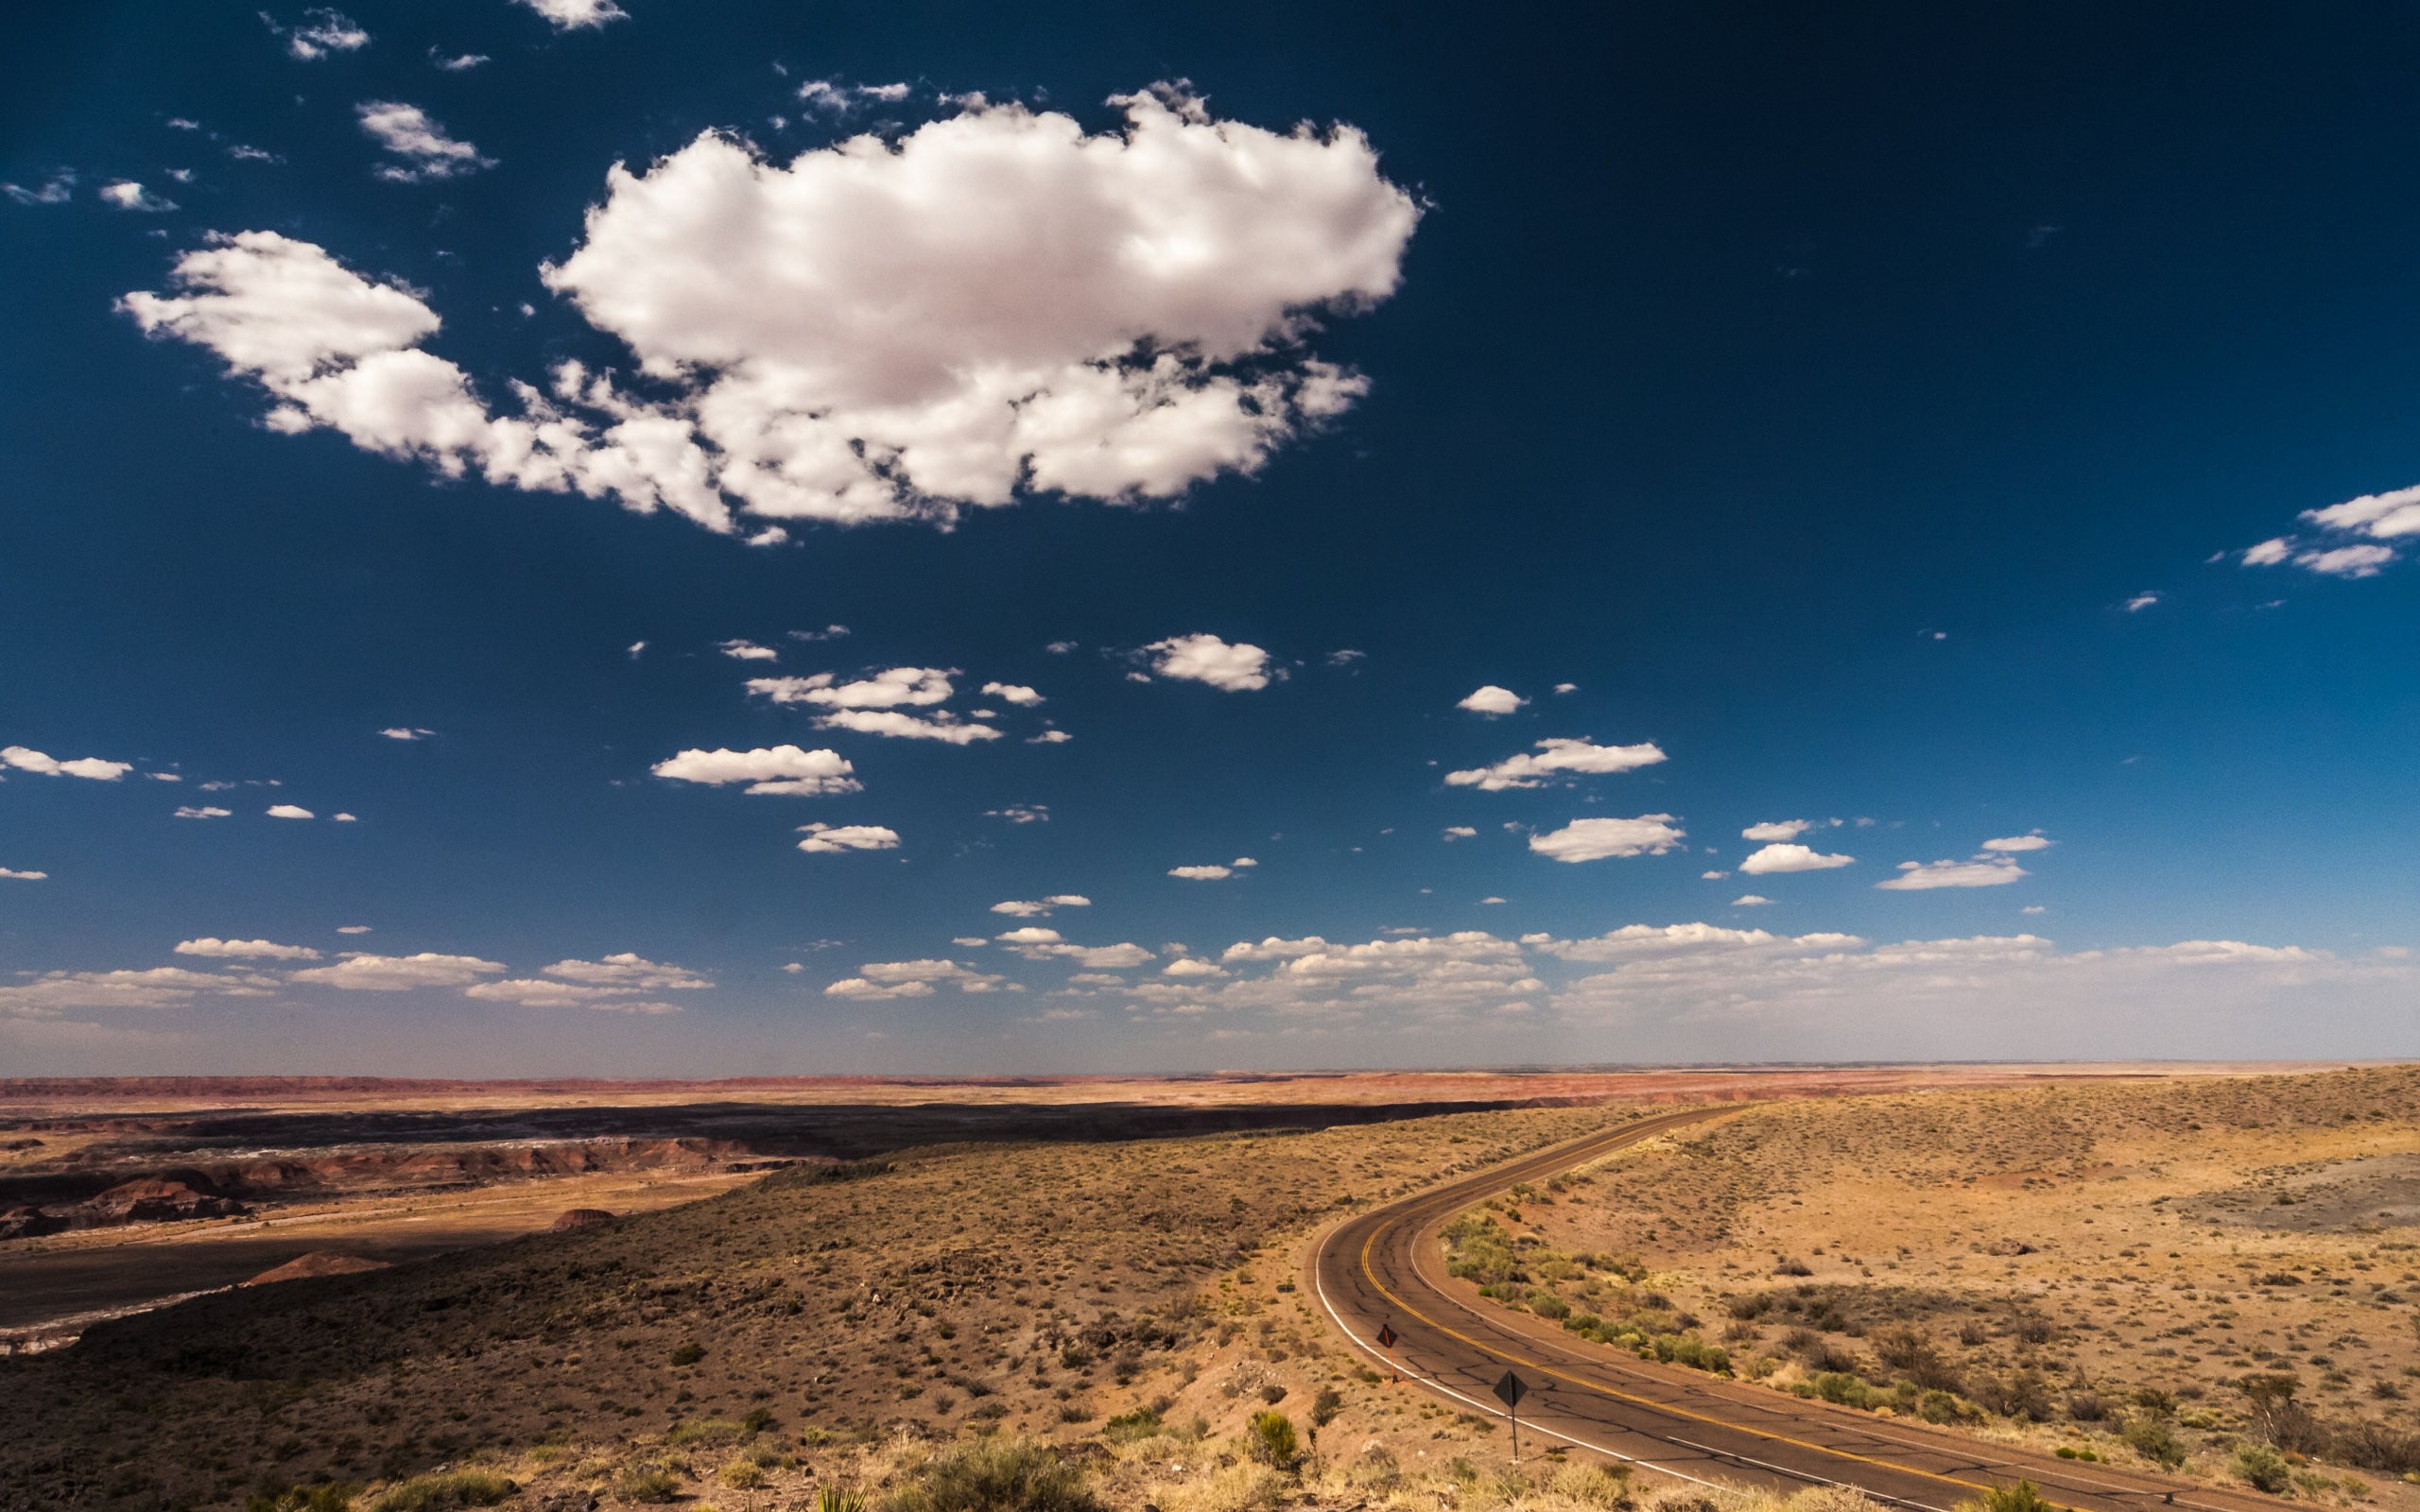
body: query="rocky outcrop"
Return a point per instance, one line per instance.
(581, 1218)
(318, 1262)
(154, 1199)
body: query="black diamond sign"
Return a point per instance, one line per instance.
(1386, 1336)
(1511, 1390)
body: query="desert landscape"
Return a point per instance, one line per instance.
(2104, 1263)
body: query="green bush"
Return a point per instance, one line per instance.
(2263, 1467)
(653, 1484)
(2152, 1438)
(1129, 1427)
(1546, 1304)
(1272, 1439)
(2021, 1497)
(997, 1475)
(443, 1493)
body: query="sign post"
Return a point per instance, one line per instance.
(1509, 1391)
(1387, 1342)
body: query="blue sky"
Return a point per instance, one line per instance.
(1474, 472)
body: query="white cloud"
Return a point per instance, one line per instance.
(1567, 687)
(886, 689)
(360, 971)
(898, 725)
(1042, 907)
(1785, 856)
(2268, 553)
(994, 304)
(1984, 872)
(204, 811)
(1552, 759)
(1346, 657)
(160, 987)
(353, 929)
(57, 190)
(537, 992)
(1750, 901)
(1241, 667)
(630, 972)
(785, 770)
(1038, 944)
(912, 979)
(427, 152)
(1598, 839)
(570, 15)
(1460, 832)
(1491, 699)
(748, 651)
(240, 950)
(2141, 602)
(289, 811)
(2347, 562)
(825, 839)
(1191, 966)
(11, 874)
(407, 732)
(1021, 813)
(1777, 829)
(460, 62)
(319, 33)
(1050, 737)
(91, 768)
(1201, 874)
(829, 632)
(1014, 692)
(2020, 842)
(128, 195)
(1711, 876)
(634, 649)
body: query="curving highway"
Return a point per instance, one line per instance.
(1386, 1269)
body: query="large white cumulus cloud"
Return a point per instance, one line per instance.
(995, 303)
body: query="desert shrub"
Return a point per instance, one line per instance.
(337, 1496)
(1746, 1305)
(1591, 1485)
(443, 1493)
(742, 1475)
(705, 1431)
(2262, 1467)
(2021, 1395)
(2021, 1497)
(1131, 1427)
(1325, 1406)
(652, 1484)
(757, 1421)
(1680, 1349)
(839, 1498)
(2372, 1446)
(1941, 1407)
(1242, 1487)
(1272, 1439)
(1080, 1410)
(2152, 1438)
(1843, 1389)
(1792, 1266)
(996, 1475)
(1914, 1357)
(1478, 1247)
(1546, 1304)
(688, 1355)
(2278, 1418)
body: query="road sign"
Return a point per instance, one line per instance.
(1511, 1390)
(1386, 1336)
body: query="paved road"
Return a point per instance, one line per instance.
(1385, 1267)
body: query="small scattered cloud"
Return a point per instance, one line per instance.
(1491, 700)
(829, 632)
(877, 980)
(1777, 829)
(289, 811)
(895, 724)
(91, 768)
(1649, 834)
(1038, 944)
(1750, 901)
(888, 688)
(12, 874)
(778, 771)
(748, 651)
(1460, 832)
(1015, 693)
(1788, 856)
(1346, 657)
(1049, 737)
(426, 152)
(1982, 871)
(1021, 813)
(2036, 841)
(360, 971)
(2346, 538)
(829, 839)
(1042, 907)
(576, 15)
(128, 195)
(353, 929)
(1555, 760)
(317, 34)
(1206, 873)
(1567, 687)
(1060, 648)
(407, 732)
(206, 811)
(56, 190)
(2141, 602)
(245, 950)
(635, 649)
(538, 992)
(459, 62)
(1238, 667)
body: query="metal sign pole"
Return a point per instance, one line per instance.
(1509, 1391)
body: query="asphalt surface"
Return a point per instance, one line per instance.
(1385, 1268)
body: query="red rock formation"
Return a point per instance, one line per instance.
(317, 1262)
(581, 1218)
(154, 1199)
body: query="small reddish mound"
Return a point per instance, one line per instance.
(581, 1218)
(155, 1199)
(317, 1262)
